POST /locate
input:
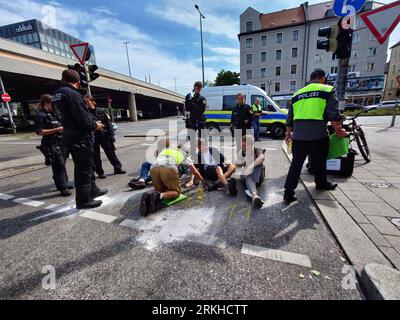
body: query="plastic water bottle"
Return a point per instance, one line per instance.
(290, 148)
(200, 192)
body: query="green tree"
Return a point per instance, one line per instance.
(227, 78)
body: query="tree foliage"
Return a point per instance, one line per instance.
(227, 78)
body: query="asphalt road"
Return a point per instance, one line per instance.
(215, 249)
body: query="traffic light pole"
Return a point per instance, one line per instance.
(341, 84)
(89, 91)
(12, 124)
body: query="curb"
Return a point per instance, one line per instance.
(370, 264)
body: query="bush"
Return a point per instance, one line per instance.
(373, 113)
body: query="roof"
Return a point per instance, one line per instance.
(397, 44)
(318, 11)
(283, 18)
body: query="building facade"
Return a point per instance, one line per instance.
(392, 88)
(41, 36)
(278, 52)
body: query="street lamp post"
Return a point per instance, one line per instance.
(176, 89)
(201, 36)
(127, 56)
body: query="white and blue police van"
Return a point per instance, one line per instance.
(221, 101)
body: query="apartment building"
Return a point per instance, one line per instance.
(278, 52)
(392, 87)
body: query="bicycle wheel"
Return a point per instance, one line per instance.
(362, 144)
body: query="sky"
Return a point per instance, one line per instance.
(164, 35)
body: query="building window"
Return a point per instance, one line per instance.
(249, 26)
(263, 41)
(372, 52)
(356, 37)
(355, 54)
(292, 86)
(278, 54)
(249, 74)
(277, 86)
(295, 35)
(394, 69)
(278, 71)
(262, 86)
(370, 66)
(279, 38)
(35, 37)
(249, 58)
(263, 56)
(249, 43)
(318, 58)
(295, 52)
(352, 68)
(371, 37)
(293, 69)
(334, 69)
(263, 73)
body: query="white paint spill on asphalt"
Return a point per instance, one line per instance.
(169, 226)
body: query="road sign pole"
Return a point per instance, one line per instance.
(395, 113)
(8, 108)
(341, 84)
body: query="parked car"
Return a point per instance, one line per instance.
(22, 123)
(384, 105)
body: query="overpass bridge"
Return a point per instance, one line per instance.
(28, 72)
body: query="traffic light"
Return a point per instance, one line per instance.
(331, 33)
(82, 74)
(339, 39)
(92, 72)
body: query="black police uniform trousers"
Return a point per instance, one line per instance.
(85, 181)
(101, 140)
(60, 176)
(318, 152)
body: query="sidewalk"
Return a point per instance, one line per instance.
(364, 212)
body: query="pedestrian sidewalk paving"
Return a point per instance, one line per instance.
(371, 197)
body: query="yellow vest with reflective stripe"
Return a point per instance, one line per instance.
(173, 153)
(309, 103)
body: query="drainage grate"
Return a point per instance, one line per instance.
(379, 185)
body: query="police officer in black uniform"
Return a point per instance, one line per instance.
(79, 125)
(242, 119)
(49, 127)
(195, 106)
(104, 139)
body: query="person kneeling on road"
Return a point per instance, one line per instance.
(252, 159)
(213, 167)
(165, 176)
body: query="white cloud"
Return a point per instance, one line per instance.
(107, 33)
(103, 10)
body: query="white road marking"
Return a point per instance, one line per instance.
(5, 196)
(98, 216)
(276, 255)
(29, 202)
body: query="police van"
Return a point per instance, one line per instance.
(221, 101)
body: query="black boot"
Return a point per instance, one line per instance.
(289, 197)
(329, 186)
(98, 193)
(119, 171)
(89, 205)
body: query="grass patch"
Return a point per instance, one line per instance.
(374, 113)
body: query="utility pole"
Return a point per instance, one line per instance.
(175, 84)
(201, 38)
(127, 56)
(12, 124)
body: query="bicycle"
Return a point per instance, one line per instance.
(357, 134)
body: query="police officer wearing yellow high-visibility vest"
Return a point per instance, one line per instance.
(311, 109)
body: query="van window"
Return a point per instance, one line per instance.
(265, 104)
(229, 103)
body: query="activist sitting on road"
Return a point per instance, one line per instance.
(213, 166)
(145, 177)
(252, 159)
(165, 176)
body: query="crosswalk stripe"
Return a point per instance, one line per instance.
(98, 216)
(277, 255)
(6, 196)
(29, 202)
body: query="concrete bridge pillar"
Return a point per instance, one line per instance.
(132, 107)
